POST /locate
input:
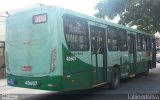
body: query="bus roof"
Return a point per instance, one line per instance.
(87, 17)
(102, 21)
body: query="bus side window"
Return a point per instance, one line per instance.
(76, 33)
(139, 42)
(99, 43)
(96, 40)
(122, 40)
(93, 40)
(144, 43)
(112, 38)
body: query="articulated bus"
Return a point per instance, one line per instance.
(52, 48)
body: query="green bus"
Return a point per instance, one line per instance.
(52, 48)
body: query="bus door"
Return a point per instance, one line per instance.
(132, 55)
(98, 54)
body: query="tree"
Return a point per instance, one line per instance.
(144, 14)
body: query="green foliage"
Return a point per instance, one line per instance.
(143, 13)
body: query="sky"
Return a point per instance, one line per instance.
(82, 6)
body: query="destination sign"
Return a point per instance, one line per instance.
(40, 18)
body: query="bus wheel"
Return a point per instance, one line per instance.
(115, 78)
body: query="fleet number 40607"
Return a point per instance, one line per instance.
(72, 58)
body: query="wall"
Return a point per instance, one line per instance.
(2, 31)
(2, 40)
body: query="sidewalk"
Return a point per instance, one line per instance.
(3, 82)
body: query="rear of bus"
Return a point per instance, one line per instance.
(31, 49)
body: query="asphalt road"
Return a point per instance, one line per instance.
(141, 85)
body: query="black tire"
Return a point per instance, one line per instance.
(115, 78)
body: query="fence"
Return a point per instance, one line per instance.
(2, 49)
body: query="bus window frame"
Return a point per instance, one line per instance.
(75, 18)
(121, 38)
(144, 38)
(139, 36)
(110, 47)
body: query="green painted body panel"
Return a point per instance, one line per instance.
(78, 81)
(79, 72)
(142, 61)
(42, 82)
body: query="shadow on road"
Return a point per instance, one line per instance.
(99, 93)
(141, 84)
(78, 96)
